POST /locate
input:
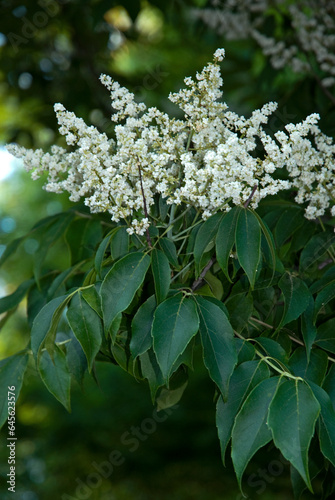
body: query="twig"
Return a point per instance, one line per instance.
(297, 341)
(325, 263)
(200, 281)
(250, 197)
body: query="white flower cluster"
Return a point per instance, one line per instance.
(309, 42)
(212, 159)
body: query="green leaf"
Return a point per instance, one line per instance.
(315, 250)
(55, 375)
(6, 317)
(217, 337)
(302, 236)
(76, 359)
(250, 431)
(326, 423)
(315, 465)
(308, 328)
(244, 378)
(205, 237)
(12, 301)
(152, 372)
(169, 397)
(47, 237)
(86, 326)
(329, 384)
(121, 283)
(323, 297)
(115, 326)
(163, 208)
(124, 359)
(11, 249)
(141, 339)
(169, 248)
(225, 239)
(37, 296)
(220, 304)
(119, 243)
(58, 285)
(240, 309)
(215, 285)
(288, 223)
(162, 274)
(327, 278)
(313, 370)
(245, 350)
(191, 239)
(273, 349)
(92, 298)
(12, 371)
(82, 237)
(325, 337)
(270, 241)
(248, 243)
(175, 322)
(46, 322)
(186, 357)
(292, 416)
(100, 253)
(296, 297)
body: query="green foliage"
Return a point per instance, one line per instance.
(12, 371)
(250, 294)
(175, 322)
(212, 289)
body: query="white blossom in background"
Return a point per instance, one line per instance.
(308, 45)
(210, 160)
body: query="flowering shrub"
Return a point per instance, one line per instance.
(303, 40)
(215, 243)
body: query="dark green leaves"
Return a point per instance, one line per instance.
(308, 328)
(86, 326)
(248, 243)
(324, 296)
(312, 369)
(55, 375)
(288, 223)
(46, 322)
(292, 416)
(47, 235)
(82, 236)
(206, 237)
(225, 238)
(325, 337)
(217, 339)
(161, 273)
(315, 250)
(141, 339)
(296, 297)
(244, 378)
(169, 248)
(326, 423)
(175, 323)
(11, 374)
(121, 283)
(250, 431)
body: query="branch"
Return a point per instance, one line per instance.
(200, 281)
(250, 197)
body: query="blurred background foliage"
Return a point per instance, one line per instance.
(54, 51)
